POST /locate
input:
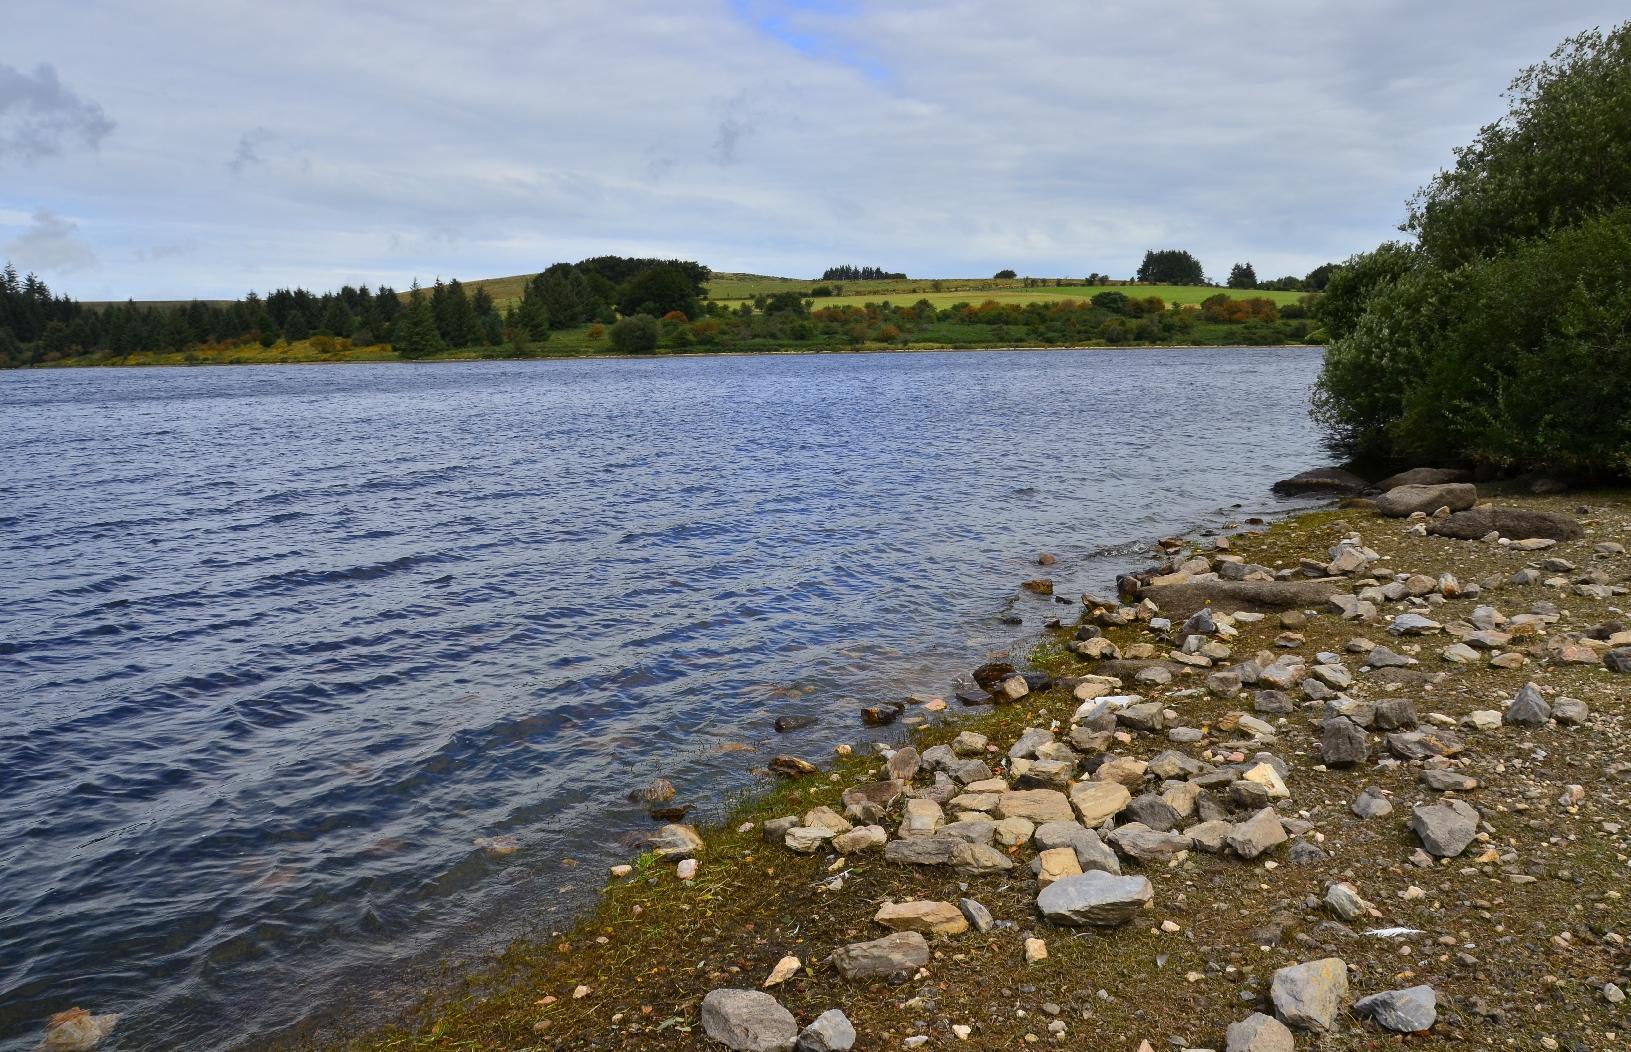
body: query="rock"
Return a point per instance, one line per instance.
(1091, 852)
(807, 840)
(1528, 709)
(831, 1031)
(1424, 477)
(792, 766)
(748, 1021)
(1038, 586)
(921, 818)
(1055, 864)
(1570, 712)
(860, 840)
(1401, 502)
(1309, 996)
(1394, 714)
(1372, 804)
(1344, 900)
(1445, 828)
(928, 917)
(979, 918)
(969, 744)
(1259, 1033)
(1618, 659)
(1037, 805)
(1211, 836)
(1094, 899)
(1482, 720)
(1229, 596)
(1036, 950)
(76, 1030)
(1152, 811)
(1382, 657)
(788, 723)
(1026, 746)
(991, 673)
(785, 969)
(1272, 703)
(1413, 625)
(1424, 744)
(901, 953)
(1143, 717)
(1474, 523)
(1343, 742)
(676, 841)
(1338, 481)
(964, 857)
(903, 764)
(687, 869)
(1147, 845)
(1011, 832)
(1123, 770)
(1257, 834)
(1408, 1011)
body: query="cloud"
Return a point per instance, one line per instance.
(38, 115)
(50, 244)
(943, 138)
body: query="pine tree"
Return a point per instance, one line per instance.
(415, 334)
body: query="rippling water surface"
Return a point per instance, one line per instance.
(276, 644)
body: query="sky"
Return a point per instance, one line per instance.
(168, 149)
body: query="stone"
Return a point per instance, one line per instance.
(1408, 1011)
(807, 840)
(1570, 712)
(1139, 841)
(1011, 832)
(1445, 828)
(1056, 864)
(687, 869)
(1482, 720)
(1413, 625)
(1309, 996)
(979, 918)
(1152, 811)
(860, 840)
(900, 953)
(921, 818)
(1344, 900)
(1446, 781)
(76, 1030)
(1528, 709)
(1257, 834)
(1343, 742)
(969, 743)
(1272, 703)
(928, 917)
(1424, 477)
(940, 850)
(748, 1021)
(1372, 803)
(826, 818)
(1037, 805)
(1091, 852)
(1170, 763)
(1475, 523)
(1382, 657)
(1144, 717)
(831, 1031)
(903, 764)
(1124, 770)
(1394, 714)
(1424, 744)
(675, 841)
(1210, 836)
(1258, 1033)
(792, 766)
(1618, 659)
(785, 969)
(1333, 480)
(1025, 747)
(1094, 899)
(1401, 502)
(790, 722)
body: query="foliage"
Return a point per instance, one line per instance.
(1004, 275)
(849, 273)
(635, 335)
(416, 335)
(1171, 266)
(1242, 276)
(1505, 335)
(658, 290)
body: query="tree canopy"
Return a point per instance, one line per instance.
(1170, 266)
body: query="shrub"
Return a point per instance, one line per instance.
(635, 335)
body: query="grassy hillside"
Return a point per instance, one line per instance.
(726, 287)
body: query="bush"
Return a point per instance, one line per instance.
(635, 335)
(1003, 275)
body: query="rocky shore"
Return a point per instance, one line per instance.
(1357, 779)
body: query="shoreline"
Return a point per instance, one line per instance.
(639, 963)
(667, 356)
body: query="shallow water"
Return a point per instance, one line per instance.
(276, 644)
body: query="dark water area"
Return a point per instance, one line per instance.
(278, 644)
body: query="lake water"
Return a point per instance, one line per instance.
(276, 644)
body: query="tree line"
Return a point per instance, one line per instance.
(849, 273)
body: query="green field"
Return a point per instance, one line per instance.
(942, 292)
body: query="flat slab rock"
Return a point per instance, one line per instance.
(1181, 600)
(748, 1021)
(1403, 501)
(1259, 1033)
(1408, 1011)
(902, 953)
(1094, 899)
(1332, 480)
(1516, 523)
(1445, 828)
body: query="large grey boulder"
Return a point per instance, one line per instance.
(1259, 1033)
(1408, 1011)
(1091, 852)
(748, 1021)
(1335, 481)
(1424, 477)
(1094, 899)
(1257, 834)
(1618, 659)
(1309, 996)
(1445, 828)
(831, 1031)
(1403, 501)
(1181, 600)
(1517, 523)
(901, 953)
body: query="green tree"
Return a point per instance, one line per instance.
(1242, 276)
(657, 291)
(415, 335)
(1003, 275)
(1170, 266)
(564, 294)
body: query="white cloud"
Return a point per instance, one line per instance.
(49, 245)
(374, 142)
